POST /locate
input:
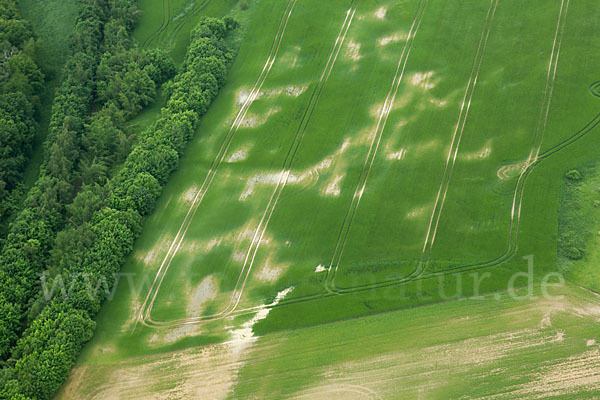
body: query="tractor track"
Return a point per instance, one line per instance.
(420, 272)
(151, 296)
(144, 316)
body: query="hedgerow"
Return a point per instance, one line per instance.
(98, 244)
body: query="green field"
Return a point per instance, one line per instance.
(363, 157)
(52, 22)
(494, 347)
(167, 23)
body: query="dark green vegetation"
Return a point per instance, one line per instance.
(65, 215)
(363, 157)
(52, 22)
(104, 218)
(579, 222)
(21, 81)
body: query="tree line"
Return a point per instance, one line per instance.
(21, 80)
(105, 216)
(106, 74)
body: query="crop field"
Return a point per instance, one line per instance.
(364, 156)
(167, 23)
(490, 348)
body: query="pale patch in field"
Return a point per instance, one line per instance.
(423, 80)
(247, 232)
(239, 155)
(290, 58)
(205, 291)
(243, 95)
(588, 311)
(134, 309)
(384, 41)
(153, 255)
(334, 187)
(188, 196)
(272, 179)
(417, 212)
(479, 154)
(306, 177)
(353, 50)
(579, 373)
(438, 102)
(256, 120)
(212, 243)
(240, 238)
(239, 256)
(380, 12)
(295, 91)
(242, 337)
(401, 124)
(271, 271)
(376, 110)
(546, 321)
(205, 372)
(180, 332)
(426, 147)
(320, 268)
(590, 342)
(398, 155)
(200, 246)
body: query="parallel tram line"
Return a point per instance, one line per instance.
(374, 147)
(175, 245)
(420, 272)
(459, 129)
(272, 204)
(166, 19)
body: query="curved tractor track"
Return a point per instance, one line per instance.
(595, 89)
(272, 56)
(166, 18)
(535, 158)
(180, 24)
(420, 271)
(374, 147)
(162, 34)
(145, 312)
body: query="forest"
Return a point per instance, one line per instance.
(98, 179)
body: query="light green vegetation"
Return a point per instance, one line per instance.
(370, 155)
(476, 348)
(167, 23)
(494, 346)
(52, 23)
